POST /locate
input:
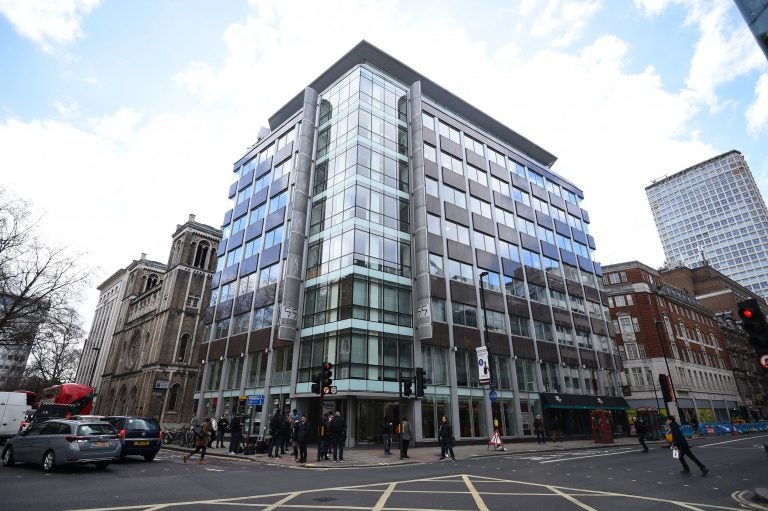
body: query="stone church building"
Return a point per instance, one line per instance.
(152, 367)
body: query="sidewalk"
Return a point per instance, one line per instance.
(364, 456)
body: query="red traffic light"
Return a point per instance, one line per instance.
(747, 313)
(327, 365)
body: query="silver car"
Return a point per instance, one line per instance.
(64, 442)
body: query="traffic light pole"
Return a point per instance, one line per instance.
(400, 408)
(320, 425)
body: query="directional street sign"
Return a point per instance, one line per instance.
(493, 396)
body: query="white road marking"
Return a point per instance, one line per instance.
(585, 457)
(475, 495)
(751, 437)
(384, 497)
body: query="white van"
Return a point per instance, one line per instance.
(13, 406)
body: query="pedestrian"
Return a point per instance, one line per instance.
(338, 436)
(538, 428)
(236, 430)
(680, 444)
(302, 435)
(642, 431)
(223, 426)
(326, 445)
(446, 439)
(295, 437)
(554, 426)
(276, 428)
(386, 433)
(285, 433)
(202, 434)
(405, 435)
(214, 432)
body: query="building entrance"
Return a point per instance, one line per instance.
(370, 417)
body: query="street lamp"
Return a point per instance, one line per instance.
(482, 276)
(655, 394)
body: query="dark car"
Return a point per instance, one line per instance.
(139, 436)
(64, 442)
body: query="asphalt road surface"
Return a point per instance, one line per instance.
(600, 479)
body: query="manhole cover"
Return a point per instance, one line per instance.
(324, 499)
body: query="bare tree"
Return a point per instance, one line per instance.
(56, 353)
(38, 283)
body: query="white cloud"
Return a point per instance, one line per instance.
(757, 113)
(48, 23)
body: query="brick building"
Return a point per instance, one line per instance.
(663, 330)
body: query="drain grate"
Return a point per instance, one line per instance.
(325, 499)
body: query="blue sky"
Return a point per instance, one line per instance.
(118, 119)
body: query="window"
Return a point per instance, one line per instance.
(433, 224)
(564, 335)
(514, 287)
(452, 163)
(577, 304)
(497, 158)
(278, 201)
(553, 187)
(454, 196)
(504, 217)
(240, 323)
(438, 310)
(490, 280)
(537, 293)
(526, 226)
(521, 196)
(456, 232)
(450, 132)
(551, 266)
(531, 259)
(520, 170)
(619, 301)
(436, 265)
(262, 181)
(273, 237)
(464, 314)
(484, 242)
(558, 299)
(557, 213)
(244, 194)
(477, 175)
(258, 213)
(545, 234)
(509, 251)
(432, 186)
(564, 243)
(535, 177)
(262, 318)
(459, 271)
(519, 326)
(495, 321)
(253, 247)
(430, 153)
(221, 329)
(227, 292)
(473, 145)
(480, 207)
(580, 249)
(575, 222)
(234, 256)
(281, 170)
(428, 121)
(543, 331)
(247, 284)
(269, 275)
(239, 224)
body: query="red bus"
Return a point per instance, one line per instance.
(65, 400)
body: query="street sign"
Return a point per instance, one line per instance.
(256, 399)
(493, 396)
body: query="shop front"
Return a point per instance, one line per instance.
(571, 412)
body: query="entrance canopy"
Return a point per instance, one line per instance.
(583, 402)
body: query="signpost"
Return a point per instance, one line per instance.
(256, 400)
(493, 396)
(483, 367)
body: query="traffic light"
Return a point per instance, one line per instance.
(753, 322)
(421, 381)
(407, 387)
(316, 387)
(326, 378)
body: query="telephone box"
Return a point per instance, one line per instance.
(602, 426)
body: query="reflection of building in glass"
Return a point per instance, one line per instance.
(755, 13)
(359, 228)
(713, 213)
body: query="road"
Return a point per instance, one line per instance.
(601, 479)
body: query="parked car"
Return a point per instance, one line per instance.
(64, 442)
(140, 436)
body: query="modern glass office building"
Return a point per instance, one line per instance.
(384, 224)
(713, 212)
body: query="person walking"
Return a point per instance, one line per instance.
(386, 433)
(223, 426)
(406, 435)
(285, 433)
(338, 436)
(554, 426)
(683, 449)
(214, 432)
(302, 435)
(538, 428)
(276, 428)
(236, 430)
(202, 434)
(642, 431)
(446, 439)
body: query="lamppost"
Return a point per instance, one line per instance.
(666, 363)
(655, 394)
(482, 276)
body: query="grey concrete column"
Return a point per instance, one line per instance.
(297, 238)
(422, 309)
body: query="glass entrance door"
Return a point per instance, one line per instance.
(370, 417)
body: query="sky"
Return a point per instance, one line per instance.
(119, 119)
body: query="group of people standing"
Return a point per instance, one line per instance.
(210, 433)
(294, 428)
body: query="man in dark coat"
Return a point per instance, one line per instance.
(338, 436)
(446, 439)
(276, 428)
(223, 428)
(679, 442)
(642, 431)
(302, 435)
(236, 430)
